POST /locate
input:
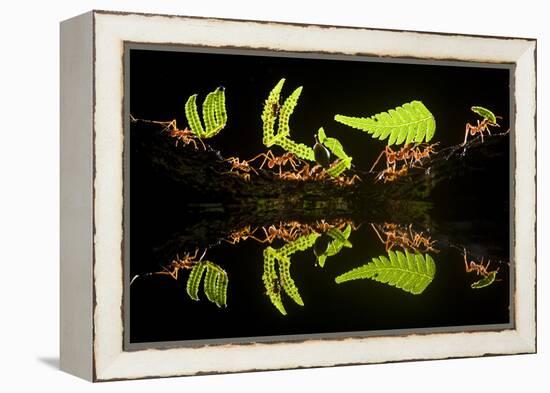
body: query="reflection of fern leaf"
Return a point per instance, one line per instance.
(194, 280)
(339, 241)
(321, 259)
(271, 281)
(409, 272)
(192, 115)
(287, 282)
(210, 281)
(221, 289)
(300, 244)
(411, 122)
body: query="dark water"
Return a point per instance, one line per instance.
(469, 213)
(162, 310)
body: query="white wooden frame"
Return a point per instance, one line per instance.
(92, 47)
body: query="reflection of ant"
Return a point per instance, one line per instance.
(347, 181)
(242, 234)
(403, 237)
(187, 262)
(286, 231)
(391, 174)
(489, 276)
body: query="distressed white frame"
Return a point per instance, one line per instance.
(109, 361)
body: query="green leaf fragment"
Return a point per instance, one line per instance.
(193, 282)
(409, 272)
(404, 124)
(192, 115)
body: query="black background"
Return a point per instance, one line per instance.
(160, 83)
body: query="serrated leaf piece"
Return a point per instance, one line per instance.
(215, 283)
(214, 114)
(411, 122)
(276, 275)
(407, 271)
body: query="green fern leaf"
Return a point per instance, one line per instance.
(339, 241)
(269, 113)
(208, 112)
(210, 281)
(219, 107)
(338, 167)
(221, 288)
(271, 281)
(287, 282)
(273, 111)
(192, 115)
(301, 244)
(410, 272)
(194, 280)
(299, 149)
(485, 113)
(332, 144)
(411, 122)
(219, 113)
(290, 103)
(336, 148)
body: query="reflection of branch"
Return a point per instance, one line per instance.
(410, 272)
(287, 231)
(324, 247)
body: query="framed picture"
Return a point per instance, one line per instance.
(245, 195)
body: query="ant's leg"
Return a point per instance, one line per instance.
(292, 164)
(466, 261)
(256, 157)
(378, 159)
(202, 143)
(377, 233)
(468, 127)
